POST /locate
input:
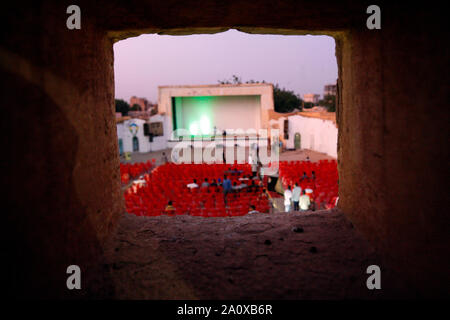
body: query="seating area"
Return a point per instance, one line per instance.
(324, 186)
(169, 182)
(130, 171)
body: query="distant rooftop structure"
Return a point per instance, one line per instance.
(143, 103)
(330, 90)
(311, 97)
(317, 113)
(122, 119)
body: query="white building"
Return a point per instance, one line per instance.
(313, 134)
(132, 138)
(315, 131)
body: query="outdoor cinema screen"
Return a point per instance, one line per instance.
(210, 115)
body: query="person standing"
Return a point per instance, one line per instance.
(304, 201)
(205, 183)
(304, 176)
(254, 165)
(164, 158)
(296, 196)
(287, 199)
(226, 185)
(261, 170)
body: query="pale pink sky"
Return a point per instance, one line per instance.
(303, 64)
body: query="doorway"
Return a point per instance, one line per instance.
(135, 144)
(120, 146)
(297, 141)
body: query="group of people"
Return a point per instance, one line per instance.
(246, 183)
(298, 197)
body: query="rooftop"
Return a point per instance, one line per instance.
(219, 85)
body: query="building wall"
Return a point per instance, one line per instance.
(329, 89)
(316, 134)
(127, 138)
(158, 143)
(161, 142)
(63, 193)
(265, 91)
(393, 147)
(311, 97)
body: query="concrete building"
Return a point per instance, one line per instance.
(330, 90)
(205, 110)
(133, 138)
(313, 134)
(142, 102)
(315, 131)
(311, 97)
(144, 115)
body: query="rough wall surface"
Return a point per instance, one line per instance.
(62, 170)
(61, 173)
(393, 142)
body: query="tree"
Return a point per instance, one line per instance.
(122, 106)
(284, 100)
(234, 80)
(136, 107)
(308, 105)
(329, 101)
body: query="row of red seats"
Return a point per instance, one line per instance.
(168, 182)
(130, 171)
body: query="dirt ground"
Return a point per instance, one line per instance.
(262, 256)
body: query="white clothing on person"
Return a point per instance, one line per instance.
(296, 193)
(304, 202)
(287, 199)
(192, 185)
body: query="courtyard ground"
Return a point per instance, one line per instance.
(284, 156)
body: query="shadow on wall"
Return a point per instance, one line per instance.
(44, 212)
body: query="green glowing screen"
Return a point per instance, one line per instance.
(202, 115)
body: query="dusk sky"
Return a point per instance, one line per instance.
(303, 64)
